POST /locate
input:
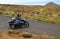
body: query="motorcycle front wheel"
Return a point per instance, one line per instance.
(26, 24)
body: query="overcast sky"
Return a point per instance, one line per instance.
(28, 2)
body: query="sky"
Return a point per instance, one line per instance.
(28, 2)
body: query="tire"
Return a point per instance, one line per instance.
(12, 26)
(26, 24)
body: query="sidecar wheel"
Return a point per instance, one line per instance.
(12, 27)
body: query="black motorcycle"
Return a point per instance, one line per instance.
(14, 25)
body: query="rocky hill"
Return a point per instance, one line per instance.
(51, 4)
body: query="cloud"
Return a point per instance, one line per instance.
(7, 1)
(29, 2)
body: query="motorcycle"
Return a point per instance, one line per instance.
(14, 25)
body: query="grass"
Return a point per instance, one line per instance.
(46, 16)
(40, 19)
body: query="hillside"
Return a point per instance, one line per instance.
(48, 13)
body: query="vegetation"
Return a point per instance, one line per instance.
(48, 13)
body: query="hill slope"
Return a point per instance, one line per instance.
(50, 12)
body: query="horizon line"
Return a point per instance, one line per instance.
(27, 4)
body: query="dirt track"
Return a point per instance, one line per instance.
(35, 27)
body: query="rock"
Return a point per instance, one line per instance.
(10, 31)
(16, 32)
(26, 35)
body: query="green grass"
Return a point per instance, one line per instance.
(48, 19)
(56, 37)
